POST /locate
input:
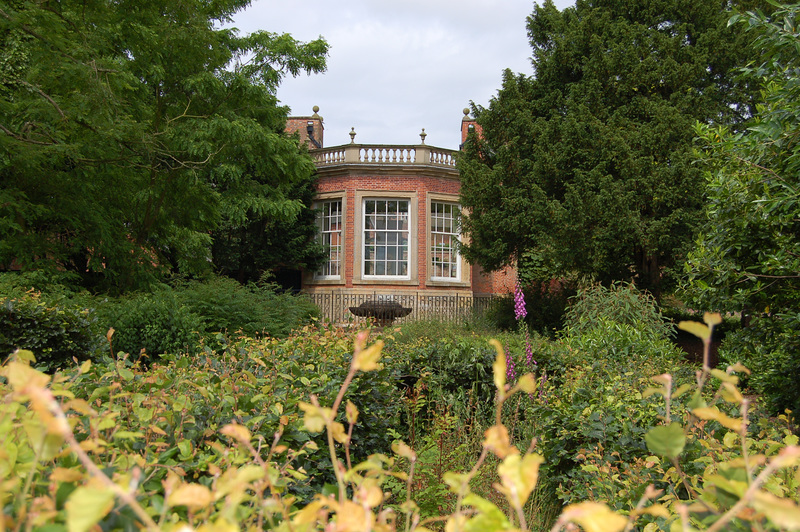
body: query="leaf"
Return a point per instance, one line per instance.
(498, 441)
(782, 512)
(367, 360)
(400, 448)
(712, 318)
(499, 367)
(488, 517)
(22, 375)
(315, 417)
(527, 383)
(593, 517)
(338, 432)
(696, 328)
(238, 432)
(351, 411)
(87, 506)
(193, 496)
(666, 440)
(713, 413)
(518, 476)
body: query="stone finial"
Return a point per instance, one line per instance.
(316, 110)
(423, 135)
(466, 113)
(352, 135)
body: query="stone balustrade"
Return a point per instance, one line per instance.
(385, 154)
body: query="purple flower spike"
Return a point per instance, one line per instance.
(519, 303)
(511, 373)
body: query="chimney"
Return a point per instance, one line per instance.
(469, 124)
(309, 128)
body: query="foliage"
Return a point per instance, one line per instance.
(222, 442)
(132, 130)
(59, 333)
(711, 456)
(152, 323)
(770, 347)
(224, 305)
(592, 397)
(586, 167)
(620, 303)
(269, 244)
(748, 256)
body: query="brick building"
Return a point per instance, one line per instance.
(390, 220)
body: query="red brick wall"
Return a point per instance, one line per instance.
(299, 124)
(420, 185)
(349, 185)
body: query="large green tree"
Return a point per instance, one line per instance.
(586, 166)
(130, 130)
(747, 257)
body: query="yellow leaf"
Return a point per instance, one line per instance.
(238, 432)
(738, 367)
(338, 432)
(351, 412)
(593, 517)
(519, 475)
(527, 383)
(725, 377)
(367, 360)
(720, 417)
(696, 328)
(62, 474)
(498, 441)
(712, 318)
(193, 496)
(316, 416)
(499, 367)
(22, 375)
(404, 450)
(110, 333)
(731, 393)
(86, 366)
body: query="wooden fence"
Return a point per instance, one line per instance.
(335, 305)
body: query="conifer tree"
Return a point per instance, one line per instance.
(586, 166)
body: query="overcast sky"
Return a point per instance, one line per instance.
(397, 66)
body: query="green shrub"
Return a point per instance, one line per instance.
(57, 333)
(621, 303)
(770, 347)
(155, 322)
(225, 305)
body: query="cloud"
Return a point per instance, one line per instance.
(398, 66)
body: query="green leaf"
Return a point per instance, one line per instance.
(782, 512)
(696, 328)
(87, 506)
(489, 516)
(666, 440)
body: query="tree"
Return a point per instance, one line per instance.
(586, 167)
(747, 257)
(130, 130)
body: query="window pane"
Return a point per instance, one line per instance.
(385, 237)
(445, 229)
(329, 225)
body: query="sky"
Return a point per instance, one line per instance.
(397, 66)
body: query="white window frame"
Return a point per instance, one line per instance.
(322, 218)
(408, 243)
(437, 236)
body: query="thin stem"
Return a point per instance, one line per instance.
(87, 462)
